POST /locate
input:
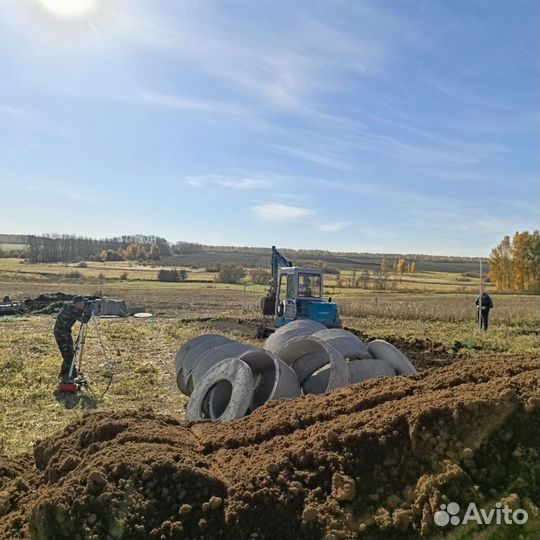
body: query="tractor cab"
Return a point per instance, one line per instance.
(299, 296)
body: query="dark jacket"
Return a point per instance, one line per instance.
(68, 316)
(485, 301)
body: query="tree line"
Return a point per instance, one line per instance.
(514, 265)
(67, 248)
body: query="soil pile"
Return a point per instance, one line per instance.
(373, 460)
(423, 353)
(46, 303)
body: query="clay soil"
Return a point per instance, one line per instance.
(369, 461)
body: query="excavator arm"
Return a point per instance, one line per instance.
(278, 261)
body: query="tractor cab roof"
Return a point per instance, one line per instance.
(297, 269)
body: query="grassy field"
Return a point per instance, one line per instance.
(360, 261)
(7, 247)
(111, 273)
(433, 323)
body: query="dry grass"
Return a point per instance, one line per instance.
(510, 310)
(143, 350)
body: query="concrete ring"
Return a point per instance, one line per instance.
(309, 353)
(233, 397)
(379, 348)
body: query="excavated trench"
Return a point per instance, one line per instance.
(373, 460)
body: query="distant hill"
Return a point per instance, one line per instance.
(13, 239)
(207, 256)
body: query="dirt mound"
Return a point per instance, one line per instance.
(424, 353)
(46, 303)
(373, 460)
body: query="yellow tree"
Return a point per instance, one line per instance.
(154, 253)
(412, 268)
(533, 262)
(135, 252)
(384, 265)
(520, 244)
(500, 265)
(401, 265)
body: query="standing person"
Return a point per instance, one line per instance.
(70, 313)
(483, 304)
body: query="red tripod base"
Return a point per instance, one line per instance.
(69, 388)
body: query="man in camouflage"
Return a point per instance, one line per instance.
(70, 313)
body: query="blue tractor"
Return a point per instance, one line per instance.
(296, 293)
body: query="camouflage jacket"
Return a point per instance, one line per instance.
(67, 317)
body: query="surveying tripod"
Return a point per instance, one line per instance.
(74, 384)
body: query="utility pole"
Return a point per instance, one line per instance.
(480, 299)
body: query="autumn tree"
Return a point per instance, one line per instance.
(381, 275)
(532, 257)
(260, 276)
(231, 273)
(135, 252)
(500, 265)
(110, 255)
(154, 253)
(515, 263)
(520, 244)
(401, 266)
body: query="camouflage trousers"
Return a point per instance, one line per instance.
(64, 341)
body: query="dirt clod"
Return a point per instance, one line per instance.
(185, 509)
(343, 488)
(309, 514)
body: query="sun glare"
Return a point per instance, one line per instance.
(69, 8)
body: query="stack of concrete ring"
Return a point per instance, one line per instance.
(226, 379)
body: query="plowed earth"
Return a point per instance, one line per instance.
(373, 460)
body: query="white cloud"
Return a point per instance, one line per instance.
(47, 188)
(171, 101)
(281, 212)
(241, 183)
(320, 157)
(16, 112)
(333, 227)
(284, 67)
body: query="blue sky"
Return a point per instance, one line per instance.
(387, 126)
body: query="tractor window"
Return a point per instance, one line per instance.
(286, 286)
(290, 287)
(309, 286)
(283, 286)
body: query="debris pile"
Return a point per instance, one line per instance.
(51, 303)
(374, 460)
(226, 379)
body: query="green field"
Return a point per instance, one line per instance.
(208, 258)
(8, 247)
